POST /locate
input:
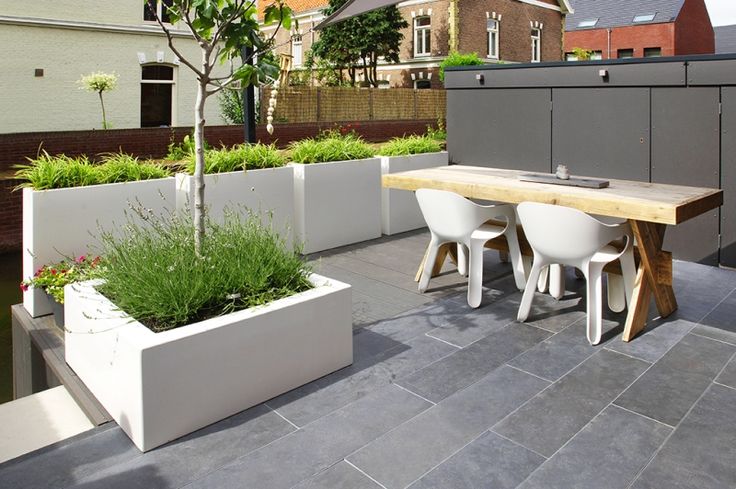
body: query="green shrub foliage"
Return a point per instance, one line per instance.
(330, 146)
(410, 145)
(240, 157)
(459, 59)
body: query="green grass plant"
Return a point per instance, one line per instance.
(410, 145)
(120, 167)
(331, 146)
(153, 273)
(240, 157)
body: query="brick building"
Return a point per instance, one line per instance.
(498, 30)
(632, 28)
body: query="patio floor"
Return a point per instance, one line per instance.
(442, 396)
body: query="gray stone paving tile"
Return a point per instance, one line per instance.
(464, 367)
(319, 445)
(558, 354)
(339, 476)
(723, 316)
(552, 314)
(366, 309)
(728, 375)
(406, 325)
(658, 337)
(194, 456)
(715, 333)
(66, 462)
(695, 290)
(307, 403)
(701, 453)
(489, 461)
(554, 416)
(674, 383)
(607, 454)
(409, 451)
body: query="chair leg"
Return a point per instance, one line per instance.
(542, 281)
(475, 279)
(556, 281)
(628, 269)
(595, 312)
(616, 293)
(531, 287)
(462, 259)
(432, 251)
(517, 262)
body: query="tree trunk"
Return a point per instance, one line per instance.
(104, 118)
(199, 168)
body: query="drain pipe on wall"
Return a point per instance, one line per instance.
(609, 43)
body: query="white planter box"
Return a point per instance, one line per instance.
(66, 222)
(161, 386)
(268, 192)
(399, 209)
(337, 203)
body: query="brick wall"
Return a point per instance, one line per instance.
(514, 29)
(630, 37)
(693, 29)
(150, 143)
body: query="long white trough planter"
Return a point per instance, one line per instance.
(337, 203)
(161, 386)
(399, 209)
(268, 192)
(66, 222)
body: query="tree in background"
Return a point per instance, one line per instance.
(582, 54)
(99, 82)
(221, 28)
(357, 43)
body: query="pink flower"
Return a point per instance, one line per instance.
(81, 259)
(23, 287)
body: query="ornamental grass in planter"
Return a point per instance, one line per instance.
(248, 177)
(399, 209)
(337, 191)
(66, 200)
(171, 341)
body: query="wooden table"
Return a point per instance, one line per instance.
(649, 207)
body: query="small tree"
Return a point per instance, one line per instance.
(458, 59)
(221, 28)
(99, 82)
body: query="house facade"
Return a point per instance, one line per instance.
(515, 31)
(631, 28)
(65, 39)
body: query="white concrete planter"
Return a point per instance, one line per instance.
(337, 203)
(161, 386)
(399, 209)
(65, 222)
(268, 192)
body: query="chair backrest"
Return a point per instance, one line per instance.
(563, 233)
(453, 217)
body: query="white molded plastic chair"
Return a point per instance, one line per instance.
(565, 236)
(452, 218)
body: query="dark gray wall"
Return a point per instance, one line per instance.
(669, 120)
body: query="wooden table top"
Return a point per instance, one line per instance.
(651, 202)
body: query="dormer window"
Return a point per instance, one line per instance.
(638, 19)
(587, 23)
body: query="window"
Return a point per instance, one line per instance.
(161, 11)
(492, 28)
(536, 45)
(652, 52)
(157, 93)
(643, 18)
(570, 57)
(588, 23)
(596, 55)
(422, 36)
(296, 50)
(422, 84)
(625, 53)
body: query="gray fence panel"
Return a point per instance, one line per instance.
(602, 132)
(685, 140)
(728, 176)
(570, 75)
(714, 72)
(500, 128)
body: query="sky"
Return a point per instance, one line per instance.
(721, 12)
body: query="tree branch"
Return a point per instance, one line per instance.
(170, 39)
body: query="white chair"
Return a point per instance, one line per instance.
(452, 218)
(565, 236)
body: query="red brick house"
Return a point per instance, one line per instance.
(633, 28)
(498, 30)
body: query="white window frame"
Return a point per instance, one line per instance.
(172, 82)
(297, 51)
(422, 33)
(536, 34)
(493, 28)
(159, 12)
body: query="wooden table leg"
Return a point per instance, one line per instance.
(653, 277)
(445, 249)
